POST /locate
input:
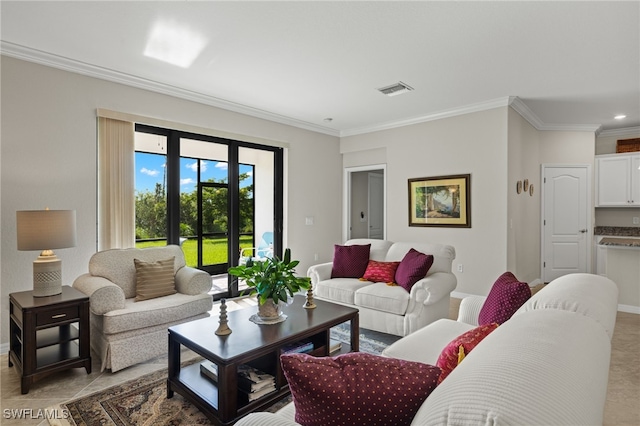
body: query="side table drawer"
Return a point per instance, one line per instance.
(53, 316)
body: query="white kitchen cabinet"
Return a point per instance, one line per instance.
(618, 180)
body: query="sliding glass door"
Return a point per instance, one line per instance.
(219, 199)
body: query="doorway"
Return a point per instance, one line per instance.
(566, 220)
(365, 202)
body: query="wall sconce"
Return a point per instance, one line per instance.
(46, 230)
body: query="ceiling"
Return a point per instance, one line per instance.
(563, 65)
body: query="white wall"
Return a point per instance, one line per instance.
(472, 143)
(48, 159)
(523, 249)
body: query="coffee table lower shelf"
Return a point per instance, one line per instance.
(203, 393)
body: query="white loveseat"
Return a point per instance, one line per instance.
(547, 365)
(391, 309)
(125, 332)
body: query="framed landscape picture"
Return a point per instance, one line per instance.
(440, 201)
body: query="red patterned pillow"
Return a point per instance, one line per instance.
(458, 348)
(380, 272)
(357, 388)
(350, 261)
(414, 267)
(504, 299)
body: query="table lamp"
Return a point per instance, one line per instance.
(46, 230)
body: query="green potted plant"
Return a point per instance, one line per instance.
(273, 280)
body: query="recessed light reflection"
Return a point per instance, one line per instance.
(620, 116)
(174, 43)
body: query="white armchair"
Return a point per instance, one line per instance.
(125, 331)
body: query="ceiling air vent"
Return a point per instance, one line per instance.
(396, 89)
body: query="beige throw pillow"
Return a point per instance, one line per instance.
(154, 279)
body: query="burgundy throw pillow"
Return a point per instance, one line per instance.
(357, 388)
(458, 348)
(414, 267)
(504, 299)
(380, 272)
(350, 261)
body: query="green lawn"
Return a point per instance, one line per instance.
(214, 249)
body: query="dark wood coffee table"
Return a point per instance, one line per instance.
(257, 345)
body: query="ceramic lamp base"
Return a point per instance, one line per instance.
(47, 276)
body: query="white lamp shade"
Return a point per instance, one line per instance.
(46, 229)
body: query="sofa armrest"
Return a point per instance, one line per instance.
(320, 272)
(264, 419)
(192, 281)
(104, 296)
(433, 288)
(470, 308)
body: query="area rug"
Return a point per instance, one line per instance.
(143, 401)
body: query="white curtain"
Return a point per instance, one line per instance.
(116, 184)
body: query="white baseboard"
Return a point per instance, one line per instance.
(629, 309)
(4, 348)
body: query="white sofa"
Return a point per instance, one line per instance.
(125, 332)
(391, 309)
(547, 365)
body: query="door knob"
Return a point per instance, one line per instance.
(582, 231)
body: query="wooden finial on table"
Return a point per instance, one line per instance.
(308, 304)
(223, 328)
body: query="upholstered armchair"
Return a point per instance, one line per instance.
(133, 303)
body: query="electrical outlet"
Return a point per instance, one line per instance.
(460, 268)
(636, 220)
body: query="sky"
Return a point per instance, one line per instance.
(150, 169)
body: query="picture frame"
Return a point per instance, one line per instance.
(440, 201)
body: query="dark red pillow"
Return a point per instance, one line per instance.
(504, 299)
(458, 348)
(380, 272)
(350, 261)
(357, 389)
(414, 267)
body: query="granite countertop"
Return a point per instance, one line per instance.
(617, 231)
(620, 242)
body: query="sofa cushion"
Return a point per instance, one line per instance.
(357, 388)
(154, 279)
(443, 255)
(425, 344)
(161, 310)
(350, 261)
(340, 290)
(590, 295)
(382, 297)
(458, 348)
(413, 267)
(504, 299)
(381, 272)
(548, 367)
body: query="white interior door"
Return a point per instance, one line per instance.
(376, 206)
(566, 220)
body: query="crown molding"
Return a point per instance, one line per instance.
(467, 109)
(78, 67)
(71, 65)
(521, 108)
(627, 131)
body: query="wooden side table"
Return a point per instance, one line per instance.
(48, 334)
